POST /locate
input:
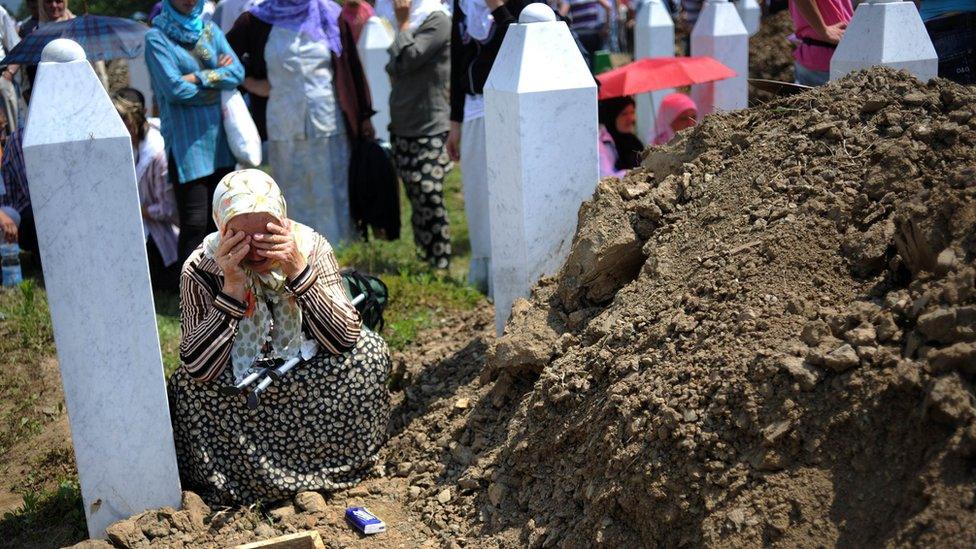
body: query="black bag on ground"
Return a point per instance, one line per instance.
(374, 194)
(377, 295)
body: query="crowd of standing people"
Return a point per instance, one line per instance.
(298, 65)
(258, 278)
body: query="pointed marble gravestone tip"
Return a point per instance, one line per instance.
(537, 13)
(63, 50)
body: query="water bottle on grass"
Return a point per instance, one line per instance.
(10, 264)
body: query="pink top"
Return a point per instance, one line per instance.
(608, 155)
(672, 106)
(817, 58)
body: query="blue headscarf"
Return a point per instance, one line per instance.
(317, 19)
(184, 29)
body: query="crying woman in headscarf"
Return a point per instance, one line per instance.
(263, 292)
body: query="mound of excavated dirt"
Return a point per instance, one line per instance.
(765, 336)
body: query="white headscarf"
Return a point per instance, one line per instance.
(253, 191)
(477, 19)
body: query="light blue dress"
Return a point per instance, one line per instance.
(192, 124)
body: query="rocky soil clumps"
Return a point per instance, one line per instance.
(767, 335)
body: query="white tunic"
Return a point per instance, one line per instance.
(308, 148)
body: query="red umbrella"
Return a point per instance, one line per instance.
(660, 73)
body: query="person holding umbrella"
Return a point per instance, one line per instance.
(190, 62)
(55, 11)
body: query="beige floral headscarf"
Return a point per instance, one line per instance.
(273, 314)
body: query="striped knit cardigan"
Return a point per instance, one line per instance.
(209, 317)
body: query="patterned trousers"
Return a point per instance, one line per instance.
(422, 163)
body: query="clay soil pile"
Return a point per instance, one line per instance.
(766, 336)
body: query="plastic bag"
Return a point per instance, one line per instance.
(242, 134)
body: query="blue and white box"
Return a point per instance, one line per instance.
(364, 521)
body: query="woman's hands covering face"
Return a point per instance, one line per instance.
(233, 248)
(279, 245)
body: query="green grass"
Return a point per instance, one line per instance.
(418, 293)
(48, 518)
(168, 324)
(25, 334)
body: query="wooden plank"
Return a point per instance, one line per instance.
(300, 540)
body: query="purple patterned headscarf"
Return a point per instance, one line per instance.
(317, 19)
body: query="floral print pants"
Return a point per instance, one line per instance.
(422, 163)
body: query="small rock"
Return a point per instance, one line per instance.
(771, 460)
(199, 511)
(775, 431)
(462, 404)
(444, 496)
(938, 324)
(863, 335)
(496, 493)
(949, 402)
(264, 531)
(126, 533)
(630, 192)
(282, 512)
(311, 502)
(945, 261)
(415, 492)
(820, 129)
(152, 526)
(804, 374)
(814, 332)
(842, 358)
(886, 329)
(358, 492)
(468, 483)
(873, 105)
(915, 99)
(182, 521)
(961, 356)
(91, 543)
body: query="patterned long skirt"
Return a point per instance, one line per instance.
(422, 163)
(320, 427)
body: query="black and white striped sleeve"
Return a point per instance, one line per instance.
(328, 315)
(208, 324)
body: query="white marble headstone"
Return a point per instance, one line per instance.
(373, 44)
(541, 127)
(653, 37)
(719, 33)
(889, 33)
(750, 13)
(89, 227)
(139, 79)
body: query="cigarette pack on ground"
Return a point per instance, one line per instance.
(364, 521)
